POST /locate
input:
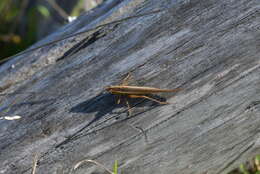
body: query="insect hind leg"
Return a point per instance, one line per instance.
(149, 98)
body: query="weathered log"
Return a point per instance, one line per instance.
(210, 48)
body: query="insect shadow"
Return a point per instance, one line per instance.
(106, 103)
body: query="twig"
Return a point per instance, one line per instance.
(56, 7)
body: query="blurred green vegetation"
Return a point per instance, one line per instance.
(250, 167)
(18, 20)
(78, 9)
(22, 21)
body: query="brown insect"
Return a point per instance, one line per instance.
(136, 92)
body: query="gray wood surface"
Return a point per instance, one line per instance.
(209, 48)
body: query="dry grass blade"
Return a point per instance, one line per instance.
(35, 161)
(93, 162)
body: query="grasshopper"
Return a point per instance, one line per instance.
(136, 92)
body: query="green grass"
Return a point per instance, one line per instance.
(250, 167)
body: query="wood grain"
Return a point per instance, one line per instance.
(209, 48)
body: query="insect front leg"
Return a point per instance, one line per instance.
(118, 99)
(128, 107)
